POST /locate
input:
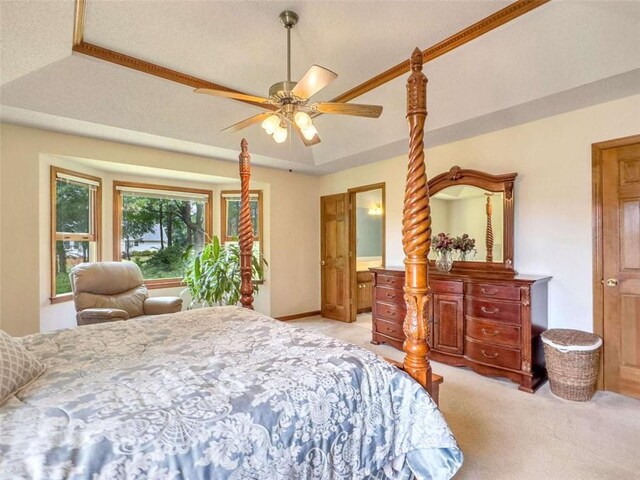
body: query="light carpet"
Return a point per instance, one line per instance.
(507, 434)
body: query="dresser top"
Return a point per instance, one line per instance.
(518, 278)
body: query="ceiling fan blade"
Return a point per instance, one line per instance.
(249, 121)
(313, 81)
(233, 95)
(358, 110)
(309, 143)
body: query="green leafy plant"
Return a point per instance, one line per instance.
(213, 277)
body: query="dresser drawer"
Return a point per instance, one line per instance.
(390, 281)
(445, 286)
(492, 355)
(489, 290)
(493, 332)
(389, 295)
(493, 310)
(390, 329)
(391, 312)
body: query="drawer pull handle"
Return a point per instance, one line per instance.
(490, 333)
(486, 355)
(489, 311)
(389, 312)
(390, 295)
(488, 292)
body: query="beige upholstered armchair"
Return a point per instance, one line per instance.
(110, 291)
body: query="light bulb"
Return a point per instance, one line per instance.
(302, 119)
(280, 134)
(309, 132)
(271, 123)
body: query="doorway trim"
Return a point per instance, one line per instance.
(352, 237)
(597, 230)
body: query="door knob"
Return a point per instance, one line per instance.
(321, 262)
(612, 282)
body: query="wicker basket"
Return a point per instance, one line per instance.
(572, 362)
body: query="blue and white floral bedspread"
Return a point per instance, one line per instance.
(220, 393)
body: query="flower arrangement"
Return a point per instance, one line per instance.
(442, 243)
(464, 245)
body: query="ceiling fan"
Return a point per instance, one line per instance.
(290, 100)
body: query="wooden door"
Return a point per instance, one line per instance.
(621, 268)
(448, 323)
(334, 261)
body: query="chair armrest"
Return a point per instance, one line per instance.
(101, 315)
(160, 305)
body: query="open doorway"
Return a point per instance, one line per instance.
(352, 240)
(367, 242)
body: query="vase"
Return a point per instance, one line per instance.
(444, 262)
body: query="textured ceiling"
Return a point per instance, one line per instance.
(560, 56)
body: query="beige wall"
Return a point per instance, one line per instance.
(292, 203)
(552, 200)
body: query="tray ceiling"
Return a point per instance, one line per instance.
(560, 56)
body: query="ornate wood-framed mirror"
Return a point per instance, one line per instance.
(480, 206)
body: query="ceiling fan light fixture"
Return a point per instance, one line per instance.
(270, 124)
(280, 134)
(302, 119)
(287, 105)
(309, 132)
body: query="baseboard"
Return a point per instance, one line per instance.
(298, 315)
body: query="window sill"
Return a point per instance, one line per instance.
(177, 282)
(163, 283)
(67, 297)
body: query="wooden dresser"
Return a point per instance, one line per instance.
(491, 325)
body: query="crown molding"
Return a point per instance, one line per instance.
(470, 33)
(112, 56)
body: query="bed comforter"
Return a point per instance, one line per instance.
(219, 393)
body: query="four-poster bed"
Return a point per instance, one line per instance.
(416, 233)
(226, 392)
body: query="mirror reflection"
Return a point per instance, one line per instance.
(478, 213)
(369, 237)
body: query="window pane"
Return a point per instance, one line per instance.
(73, 207)
(254, 216)
(69, 254)
(233, 216)
(157, 231)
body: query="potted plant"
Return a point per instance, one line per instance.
(213, 277)
(465, 245)
(442, 244)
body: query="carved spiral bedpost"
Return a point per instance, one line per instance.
(416, 232)
(245, 228)
(489, 239)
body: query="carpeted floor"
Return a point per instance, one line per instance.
(507, 434)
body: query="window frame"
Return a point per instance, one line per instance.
(55, 236)
(224, 194)
(154, 283)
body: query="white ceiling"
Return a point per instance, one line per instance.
(561, 56)
(457, 192)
